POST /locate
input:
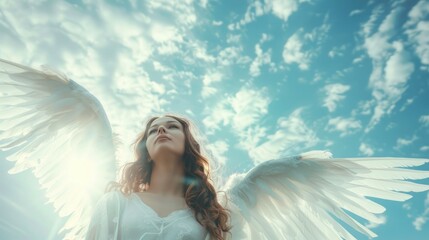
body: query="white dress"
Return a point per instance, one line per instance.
(128, 218)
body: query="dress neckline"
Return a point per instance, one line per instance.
(187, 209)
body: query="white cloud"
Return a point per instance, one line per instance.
(292, 136)
(334, 94)
(381, 220)
(212, 77)
(424, 148)
(369, 26)
(407, 103)
(426, 203)
(317, 76)
(418, 30)
(243, 113)
(389, 87)
(293, 53)
(358, 59)
(424, 217)
(219, 149)
(366, 149)
(233, 38)
(344, 125)
(364, 108)
(167, 48)
(250, 105)
(208, 80)
(337, 51)
(282, 9)
(424, 120)
(178, 79)
(240, 111)
(401, 142)
(265, 38)
(319, 34)
(164, 33)
(329, 143)
(260, 59)
(355, 12)
(183, 13)
(218, 116)
(232, 55)
(392, 66)
(203, 3)
(398, 67)
(159, 67)
(419, 222)
(406, 206)
(200, 52)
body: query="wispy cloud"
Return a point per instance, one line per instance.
(282, 9)
(424, 120)
(219, 149)
(406, 206)
(389, 89)
(417, 30)
(292, 136)
(391, 69)
(337, 51)
(381, 220)
(369, 26)
(208, 81)
(356, 12)
(424, 148)
(334, 94)
(401, 142)
(293, 53)
(366, 149)
(240, 111)
(343, 125)
(249, 105)
(261, 58)
(421, 220)
(232, 55)
(293, 49)
(407, 103)
(243, 112)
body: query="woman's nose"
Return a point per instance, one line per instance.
(161, 128)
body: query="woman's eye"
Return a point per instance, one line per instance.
(153, 130)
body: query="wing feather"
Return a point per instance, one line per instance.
(54, 127)
(308, 196)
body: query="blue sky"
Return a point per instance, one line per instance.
(260, 79)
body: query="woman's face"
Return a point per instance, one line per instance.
(165, 148)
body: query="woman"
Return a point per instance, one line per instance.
(166, 193)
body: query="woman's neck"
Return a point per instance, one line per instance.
(167, 179)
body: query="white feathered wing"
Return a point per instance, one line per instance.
(56, 128)
(302, 197)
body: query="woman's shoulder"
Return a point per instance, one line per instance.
(112, 197)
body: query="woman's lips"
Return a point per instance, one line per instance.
(162, 138)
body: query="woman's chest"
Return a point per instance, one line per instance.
(139, 221)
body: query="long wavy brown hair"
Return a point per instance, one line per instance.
(200, 194)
